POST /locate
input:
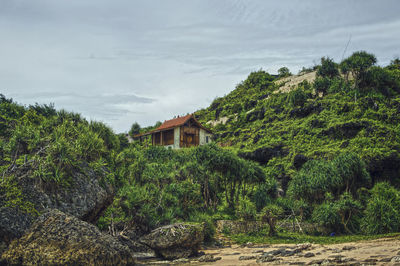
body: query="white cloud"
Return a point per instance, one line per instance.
(124, 61)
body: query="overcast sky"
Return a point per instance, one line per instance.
(122, 61)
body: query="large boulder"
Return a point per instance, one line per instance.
(180, 240)
(56, 238)
(85, 197)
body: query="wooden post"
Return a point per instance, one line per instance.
(161, 138)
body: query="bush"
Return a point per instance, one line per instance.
(382, 214)
(247, 210)
(297, 97)
(328, 68)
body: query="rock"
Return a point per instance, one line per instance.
(182, 260)
(370, 261)
(348, 248)
(62, 239)
(85, 198)
(247, 257)
(309, 255)
(385, 260)
(175, 241)
(258, 251)
(395, 259)
(297, 263)
(266, 258)
(316, 262)
(130, 239)
(13, 223)
(301, 247)
(264, 154)
(208, 258)
(249, 244)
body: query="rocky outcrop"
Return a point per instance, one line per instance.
(264, 154)
(56, 238)
(175, 241)
(84, 197)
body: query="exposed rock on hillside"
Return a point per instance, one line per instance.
(84, 198)
(264, 154)
(175, 241)
(60, 239)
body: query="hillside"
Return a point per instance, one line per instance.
(281, 123)
(322, 149)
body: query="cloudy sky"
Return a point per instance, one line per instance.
(122, 61)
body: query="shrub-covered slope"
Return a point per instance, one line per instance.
(335, 113)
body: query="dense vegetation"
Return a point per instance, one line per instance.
(326, 151)
(332, 143)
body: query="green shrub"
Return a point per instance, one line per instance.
(246, 210)
(328, 68)
(382, 214)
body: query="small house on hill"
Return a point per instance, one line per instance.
(179, 132)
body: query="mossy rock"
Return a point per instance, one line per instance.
(174, 241)
(60, 239)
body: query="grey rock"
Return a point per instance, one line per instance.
(395, 259)
(175, 241)
(348, 248)
(313, 262)
(247, 257)
(309, 255)
(56, 238)
(13, 223)
(266, 258)
(208, 258)
(258, 251)
(385, 260)
(84, 198)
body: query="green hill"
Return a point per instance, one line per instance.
(281, 127)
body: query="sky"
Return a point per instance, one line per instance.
(126, 61)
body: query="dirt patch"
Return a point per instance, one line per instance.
(292, 81)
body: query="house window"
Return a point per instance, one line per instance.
(206, 139)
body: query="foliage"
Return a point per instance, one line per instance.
(270, 215)
(328, 68)
(339, 216)
(295, 238)
(164, 185)
(284, 72)
(358, 64)
(246, 210)
(135, 129)
(382, 214)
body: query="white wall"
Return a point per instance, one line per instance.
(177, 137)
(203, 134)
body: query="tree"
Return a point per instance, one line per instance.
(358, 64)
(394, 64)
(135, 129)
(328, 68)
(270, 215)
(284, 72)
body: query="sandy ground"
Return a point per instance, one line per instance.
(292, 81)
(372, 252)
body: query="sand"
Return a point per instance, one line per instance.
(371, 252)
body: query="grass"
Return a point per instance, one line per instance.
(296, 238)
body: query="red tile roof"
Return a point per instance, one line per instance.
(174, 122)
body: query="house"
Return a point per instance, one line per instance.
(179, 132)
